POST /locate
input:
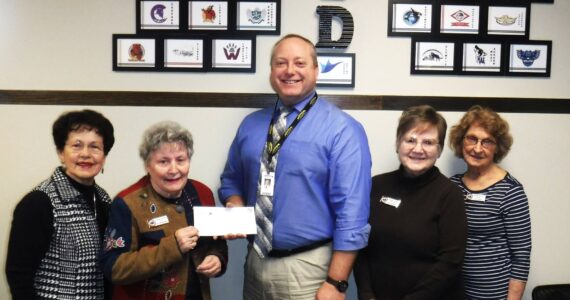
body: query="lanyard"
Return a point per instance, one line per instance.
(272, 149)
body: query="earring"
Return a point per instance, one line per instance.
(102, 170)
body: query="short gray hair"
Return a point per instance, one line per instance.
(165, 132)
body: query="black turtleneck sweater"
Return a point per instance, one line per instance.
(415, 251)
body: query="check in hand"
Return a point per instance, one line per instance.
(187, 238)
(234, 201)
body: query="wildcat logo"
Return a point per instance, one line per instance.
(528, 56)
(256, 16)
(231, 51)
(157, 13)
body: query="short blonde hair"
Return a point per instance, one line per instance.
(297, 36)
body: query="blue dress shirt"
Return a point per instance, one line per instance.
(322, 178)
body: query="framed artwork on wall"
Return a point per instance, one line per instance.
(336, 69)
(462, 19)
(432, 57)
(208, 15)
(482, 58)
(508, 20)
(163, 16)
(134, 53)
(233, 54)
(407, 18)
(185, 54)
(259, 17)
(529, 58)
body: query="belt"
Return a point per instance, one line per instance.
(289, 252)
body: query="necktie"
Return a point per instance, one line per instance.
(264, 204)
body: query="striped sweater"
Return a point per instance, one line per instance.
(498, 238)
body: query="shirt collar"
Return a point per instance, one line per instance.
(299, 106)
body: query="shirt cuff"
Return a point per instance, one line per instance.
(351, 240)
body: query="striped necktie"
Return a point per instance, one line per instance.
(264, 204)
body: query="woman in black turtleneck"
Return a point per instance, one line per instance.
(417, 215)
(57, 228)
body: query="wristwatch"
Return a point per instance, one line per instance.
(340, 285)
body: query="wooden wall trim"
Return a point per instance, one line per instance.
(351, 102)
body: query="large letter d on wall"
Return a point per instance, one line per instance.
(326, 13)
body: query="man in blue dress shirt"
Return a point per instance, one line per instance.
(321, 187)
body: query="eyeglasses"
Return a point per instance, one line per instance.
(93, 148)
(473, 140)
(427, 144)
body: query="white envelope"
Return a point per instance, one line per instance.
(219, 221)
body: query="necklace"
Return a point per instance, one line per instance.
(180, 204)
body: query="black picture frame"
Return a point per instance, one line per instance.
(230, 53)
(508, 19)
(411, 17)
(185, 53)
(258, 17)
(482, 57)
(461, 18)
(164, 17)
(434, 56)
(209, 17)
(340, 72)
(529, 58)
(135, 53)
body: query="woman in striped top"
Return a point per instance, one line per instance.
(497, 258)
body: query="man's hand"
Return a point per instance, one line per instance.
(234, 201)
(329, 292)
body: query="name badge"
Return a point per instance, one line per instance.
(158, 221)
(476, 197)
(390, 201)
(267, 184)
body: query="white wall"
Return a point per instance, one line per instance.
(66, 45)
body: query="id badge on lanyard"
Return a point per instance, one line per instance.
(267, 183)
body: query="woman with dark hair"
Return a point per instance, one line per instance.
(417, 219)
(498, 240)
(57, 228)
(152, 250)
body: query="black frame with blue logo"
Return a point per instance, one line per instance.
(433, 18)
(338, 82)
(510, 70)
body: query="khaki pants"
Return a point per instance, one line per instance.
(295, 277)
